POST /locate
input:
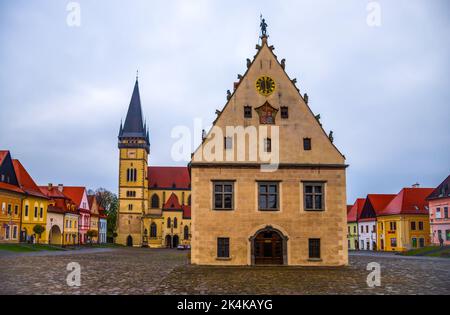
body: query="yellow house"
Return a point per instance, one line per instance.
(11, 197)
(404, 223)
(34, 205)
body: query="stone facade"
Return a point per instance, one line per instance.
(289, 138)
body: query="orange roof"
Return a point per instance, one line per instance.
(409, 201)
(6, 186)
(172, 203)
(25, 181)
(355, 210)
(169, 178)
(75, 193)
(3, 154)
(373, 206)
(53, 192)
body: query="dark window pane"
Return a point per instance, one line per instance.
(228, 188)
(273, 189)
(272, 201)
(318, 200)
(262, 202)
(218, 201)
(228, 201)
(308, 189)
(263, 188)
(309, 201)
(307, 144)
(318, 189)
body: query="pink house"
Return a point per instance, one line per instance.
(79, 196)
(439, 203)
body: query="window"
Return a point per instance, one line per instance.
(447, 235)
(268, 196)
(14, 232)
(153, 230)
(381, 226)
(131, 175)
(284, 112)
(421, 242)
(314, 196)
(175, 223)
(393, 226)
(354, 229)
(413, 226)
(186, 232)
(268, 145)
(393, 242)
(438, 213)
(367, 229)
(314, 248)
(16, 209)
(420, 226)
(3, 207)
(307, 146)
(26, 210)
(247, 112)
(155, 201)
(7, 232)
(446, 212)
(9, 209)
(189, 200)
(223, 195)
(35, 212)
(228, 143)
(374, 229)
(130, 207)
(41, 213)
(131, 194)
(223, 247)
(169, 223)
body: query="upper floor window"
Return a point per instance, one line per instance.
(169, 223)
(420, 226)
(413, 226)
(26, 210)
(314, 196)
(131, 175)
(16, 209)
(438, 213)
(284, 112)
(35, 212)
(223, 195)
(41, 213)
(247, 112)
(131, 194)
(175, 223)
(393, 226)
(446, 212)
(9, 209)
(130, 207)
(155, 201)
(307, 146)
(268, 196)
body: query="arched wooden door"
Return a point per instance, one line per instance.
(176, 241)
(169, 241)
(130, 241)
(268, 248)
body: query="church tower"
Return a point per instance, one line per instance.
(134, 146)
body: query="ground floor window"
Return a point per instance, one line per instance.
(447, 234)
(422, 242)
(314, 248)
(393, 242)
(223, 247)
(153, 230)
(7, 232)
(14, 236)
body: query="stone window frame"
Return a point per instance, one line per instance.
(307, 144)
(284, 112)
(278, 194)
(223, 248)
(313, 183)
(233, 192)
(314, 249)
(248, 112)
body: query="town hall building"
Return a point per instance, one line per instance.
(268, 184)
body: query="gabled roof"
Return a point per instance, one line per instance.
(374, 205)
(409, 201)
(355, 210)
(442, 191)
(172, 203)
(6, 186)
(52, 192)
(75, 193)
(169, 178)
(3, 154)
(25, 181)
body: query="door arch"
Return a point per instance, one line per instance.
(168, 241)
(55, 235)
(130, 241)
(269, 247)
(176, 241)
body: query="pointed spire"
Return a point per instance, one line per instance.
(134, 124)
(121, 128)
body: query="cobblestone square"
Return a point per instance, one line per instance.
(143, 271)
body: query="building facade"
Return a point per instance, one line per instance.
(352, 224)
(404, 223)
(268, 184)
(439, 203)
(154, 202)
(79, 196)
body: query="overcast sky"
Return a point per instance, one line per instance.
(384, 91)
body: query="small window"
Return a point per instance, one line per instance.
(268, 196)
(420, 226)
(228, 143)
(130, 207)
(35, 212)
(26, 210)
(186, 232)
(41, 213)
(223, 195)
(153, 230)
(223, 247)
(155, 201)
(9, 209)
(175, 223)
(413, 226)
(314, 196)
(169, 223)
(247, 112)
(16, 209)
(268, 145)
(314, 248)
(393, 242)
(284, 112)
(307, 144)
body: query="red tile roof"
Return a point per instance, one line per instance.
(6, 186)
(442, 191)
(186, 212)
(172, 203)
(25, 181)
(355, 210)
(75, 193)
(169, 178)
(3, 154)
(409, 201)
(53, 192)
(379, 202)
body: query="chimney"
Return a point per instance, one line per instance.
(60, 187)
(416, 185)
(50, 186)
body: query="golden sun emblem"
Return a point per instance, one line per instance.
(265, 85)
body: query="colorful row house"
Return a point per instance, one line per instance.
(438, 203)
(50, 214)
(353, 214)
